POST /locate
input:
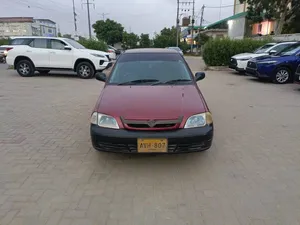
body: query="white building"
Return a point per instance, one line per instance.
(26, 26)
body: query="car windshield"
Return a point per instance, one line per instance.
(263, 48)
(150, 69)
(289, 50)
(73, 43)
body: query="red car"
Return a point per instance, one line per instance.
(151, 104)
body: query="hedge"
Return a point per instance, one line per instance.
(3, 41)
(217, 52)
(94, 44)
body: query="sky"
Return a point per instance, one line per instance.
(138, 16)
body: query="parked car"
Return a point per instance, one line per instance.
(239, 62)
(177, 49)
(297, 75)
(42, 54)
(112, 53)
(117, 51)
(279, 68)
(161, 109)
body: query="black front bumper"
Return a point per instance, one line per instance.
(254, 73)
(125, 141)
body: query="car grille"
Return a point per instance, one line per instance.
(152, 124)
(252, 65)
(298, 70)
(172, 148)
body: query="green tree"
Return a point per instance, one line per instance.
(130, 40)
(292, 24)
(93, 44)
(109, 30)
(145, 41)
(201, 39)
(166, 38)
(67, 36)
(258, 10)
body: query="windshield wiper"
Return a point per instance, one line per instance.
(173, 81)
(140, 81)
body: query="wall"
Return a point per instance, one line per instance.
(221, 33)
(266, 27)
(236, 28)
(15, 29)
(46, 28)
(283, 37)
(238, 7)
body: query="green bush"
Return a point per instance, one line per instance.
(184, 46)
(94, 44)
(3, 41)
(217, 52)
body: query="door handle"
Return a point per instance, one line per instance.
(28, 51)
(52, 52)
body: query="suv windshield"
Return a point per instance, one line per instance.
(289, 50)
(263, 48)
(73, 43)
(149, 69)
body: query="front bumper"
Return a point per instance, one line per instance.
(255, 73)
(125, 141)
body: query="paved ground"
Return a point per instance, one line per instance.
(49, 173)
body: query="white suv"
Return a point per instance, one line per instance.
(42, 54)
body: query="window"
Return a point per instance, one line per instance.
(280, 47)
(259, 28)
(18, 41)
(50, 31)
(263, 48)
(39, 43)
(154, 66)
(73, 43)
(57, 44)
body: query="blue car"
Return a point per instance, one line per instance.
(279, 68)
(297, 75)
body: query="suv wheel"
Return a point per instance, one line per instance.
(85, 70)
(282, 76)
(25, 68)
(43, 71)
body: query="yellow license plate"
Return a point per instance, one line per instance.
(152, 145)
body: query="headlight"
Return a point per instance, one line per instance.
(244, 59)
(199, 120)
(97, 55)
(267, 62)
(103, 120)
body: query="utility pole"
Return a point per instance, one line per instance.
(87, 3)
(177, 24)
(103, 15)
(75, 20)
(193, 22)
(202, 14)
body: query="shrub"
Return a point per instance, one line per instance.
(217, 52)
(184, 46)
(3, 41)
(94, 44)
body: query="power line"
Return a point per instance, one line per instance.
(87, 3)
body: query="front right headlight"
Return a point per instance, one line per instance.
(199, 120)
(105, 121)
(267, 62)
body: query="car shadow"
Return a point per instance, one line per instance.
(262, 81)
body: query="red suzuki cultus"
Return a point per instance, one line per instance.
(151, 104)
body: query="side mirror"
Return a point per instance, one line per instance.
(199, 76)
(101, 77)
(272, 52)
(68, 48)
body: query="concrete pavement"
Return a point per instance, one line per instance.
(50, 174)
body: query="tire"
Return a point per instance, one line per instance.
(282, 76)
(43, 71)
(25, 68)
(85, 70)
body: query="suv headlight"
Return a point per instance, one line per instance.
(103, 120)
(97, 55)
(267, 62)
(245, 59)
(199, 120)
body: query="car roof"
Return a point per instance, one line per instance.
(18, 37)
(150, 50)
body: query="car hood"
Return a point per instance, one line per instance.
(94, 51)
(267, 58)
(151, 102)
(248, 55)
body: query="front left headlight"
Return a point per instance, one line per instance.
(267, 62)
(199, 120)
(105, 121)
(97, 55)
(245, 59)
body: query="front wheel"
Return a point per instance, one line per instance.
(85, 70)
(25, 68)
(282, 76)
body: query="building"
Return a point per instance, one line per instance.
(26, 26)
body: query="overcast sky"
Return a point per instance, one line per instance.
(139, 16)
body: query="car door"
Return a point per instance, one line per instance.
(59, 56)
(38, 52)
